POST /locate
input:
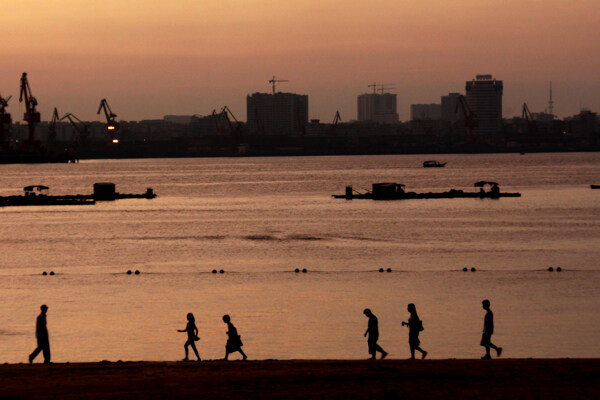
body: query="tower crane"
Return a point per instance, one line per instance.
(274, 81)
(31, 115)
(111, 124)
(381, 87)
(469, 115)
(5, 119)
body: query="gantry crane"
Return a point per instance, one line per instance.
(469, 115)
(5, 119)
(274, 81)
(111, 124)
(31, 115)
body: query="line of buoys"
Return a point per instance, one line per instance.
(221, 271)
(46, 273)
(385, 270)
(129, 272)
(473, 269)
(558, 269)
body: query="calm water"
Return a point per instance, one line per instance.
(260, 218)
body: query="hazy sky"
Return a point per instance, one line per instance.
(154, 57)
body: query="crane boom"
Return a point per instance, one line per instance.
(81, 128)
(274, 81)
(32, 116)
(469, 115)
(111, 123)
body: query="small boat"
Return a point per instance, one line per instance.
(595, 186)
(433, 164)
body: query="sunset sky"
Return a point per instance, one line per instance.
(150, 58)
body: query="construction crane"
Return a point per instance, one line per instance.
(81, 128)
(274, 81)
(52, 126)
(530, 127)
(382, 87)
(31, 115)
(336, 119)
(5, 119)
(111, 124)
(469, 115)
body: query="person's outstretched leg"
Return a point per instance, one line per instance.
(498, 349)
(195, 350)
(243, 354)
(33, 355)
(423, 352)
(382, 351)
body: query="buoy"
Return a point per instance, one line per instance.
(389, 270)
(297, 270)
(51, 272)
(550, 269)
(128, 272)
(559, 269)
(473, 269)
(137, 272)
(380, 269)
(304, 270)
(44, 273)
(214, 271)
(221, 271)
(465, 269)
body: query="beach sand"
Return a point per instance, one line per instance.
(300, 379)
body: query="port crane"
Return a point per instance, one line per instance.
(80, 127)
(274, 81)
(111, 124)
(5, 119)
(333, 129)
(530, 127)
(32, 116)
(470, 117)
(52, 126)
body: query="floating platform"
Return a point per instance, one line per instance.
(395, 191)
(37, 195)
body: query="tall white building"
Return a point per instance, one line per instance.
(484, 95)
(378, 107)
(277, 114)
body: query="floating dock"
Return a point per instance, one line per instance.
(395, 191)
(37, 195)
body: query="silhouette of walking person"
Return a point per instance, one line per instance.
(488, 330)
(41, 333)
(234, 341)
(192, 332)
(415, 326)
(373, 332)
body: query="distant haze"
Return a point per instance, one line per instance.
(152, 58)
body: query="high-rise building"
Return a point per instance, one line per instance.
(425, 111)
(378, 107)
(449, 112)
(277, 114)
(484, 95)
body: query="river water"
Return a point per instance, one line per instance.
(259, 219)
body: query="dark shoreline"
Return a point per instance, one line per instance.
(428, 379)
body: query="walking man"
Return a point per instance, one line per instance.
(488, 330)
(41, 333)
(373, 332)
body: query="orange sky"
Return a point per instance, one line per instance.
(152, 57)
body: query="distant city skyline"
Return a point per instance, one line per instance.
(151, 60)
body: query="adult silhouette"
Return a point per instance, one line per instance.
(192, 332)
(415, 326)
(373, 332)
(488, 330)
(234, 341)
(41, 333)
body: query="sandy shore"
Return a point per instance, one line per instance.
(486, 379)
